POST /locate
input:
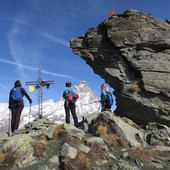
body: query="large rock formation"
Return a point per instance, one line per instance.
(131, 51)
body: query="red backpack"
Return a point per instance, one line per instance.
(72, 97)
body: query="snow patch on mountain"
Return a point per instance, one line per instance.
(87, 103)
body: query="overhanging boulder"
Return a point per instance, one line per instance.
(131, 51)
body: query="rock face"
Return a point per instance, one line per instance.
(131, 51)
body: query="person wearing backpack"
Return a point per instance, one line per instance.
(16, 104)
(70, 97)
(106, 98)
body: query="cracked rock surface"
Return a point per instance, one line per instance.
(131, 51)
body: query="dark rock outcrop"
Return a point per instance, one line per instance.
(131, 51)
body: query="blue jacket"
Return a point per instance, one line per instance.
(103, 96)
(66, 92)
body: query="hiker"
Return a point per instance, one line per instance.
(70, 97)
(16, 104)
(106, 98)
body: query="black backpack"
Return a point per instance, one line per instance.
(109, 99)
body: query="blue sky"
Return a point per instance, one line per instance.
(35, 34)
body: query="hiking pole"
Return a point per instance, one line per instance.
(99, 108)
(9, 125)
(90, 103)
(29, 112)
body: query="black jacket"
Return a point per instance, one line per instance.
(23, 93)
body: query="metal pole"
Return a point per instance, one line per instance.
(9, 126)
(39, 94)
(38, 102)
(41, 103)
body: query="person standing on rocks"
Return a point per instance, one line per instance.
(70, 97)
(16, 104)
(106, 98)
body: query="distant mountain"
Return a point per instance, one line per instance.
(87, 103)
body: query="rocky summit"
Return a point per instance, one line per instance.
(131, 51)
(103, 141)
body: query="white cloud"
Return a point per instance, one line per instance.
(55, 74)
(2, 85)
(40, 22)
(34, 69)
(54, 39)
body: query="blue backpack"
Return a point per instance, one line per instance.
(16, 94)
(109, 99)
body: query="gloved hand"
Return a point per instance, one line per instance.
(9, 107)
(30, 101)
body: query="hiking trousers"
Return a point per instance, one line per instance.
(105, 107)
(71, 107)
(16, 111)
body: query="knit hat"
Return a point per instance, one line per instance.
(103, 86)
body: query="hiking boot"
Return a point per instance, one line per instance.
(15, 131)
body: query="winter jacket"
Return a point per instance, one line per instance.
(23, 93)
(66, 92)
(103, 96)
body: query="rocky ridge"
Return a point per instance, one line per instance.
(131, 51)
(103, 141)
